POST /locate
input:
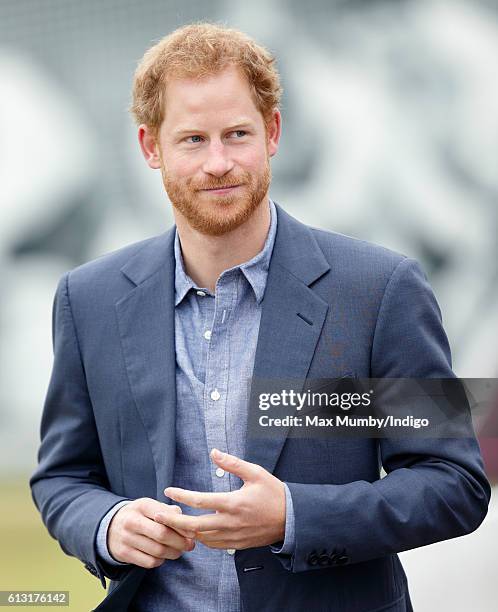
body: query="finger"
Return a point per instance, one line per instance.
(141, 559)
(153, 548)
(229, 539)
(186, 526)
(141, 524)
(229, 543)
(217, 543)
(196, 499)
(148, 507)
(191, 525)
(213, 535)
(243, 469)
(165, 535)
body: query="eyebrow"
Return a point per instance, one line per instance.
(186, 130)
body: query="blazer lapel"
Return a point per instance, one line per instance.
(291, 322)
(147, 328)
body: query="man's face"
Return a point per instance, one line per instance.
(214, 151)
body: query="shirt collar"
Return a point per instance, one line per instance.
(255, 270)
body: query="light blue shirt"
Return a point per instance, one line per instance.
(215, 341)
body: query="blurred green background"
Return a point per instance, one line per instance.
(32, 560)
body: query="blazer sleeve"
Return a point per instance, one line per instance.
(70, 486)
(434, 489)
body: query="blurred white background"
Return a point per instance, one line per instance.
(390, 134)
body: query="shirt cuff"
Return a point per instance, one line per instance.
(101, 541)
(288, 545)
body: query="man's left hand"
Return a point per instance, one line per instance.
(248, 517)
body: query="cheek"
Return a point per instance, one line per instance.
(181, 168)
(253, 159)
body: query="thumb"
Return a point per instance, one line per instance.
(230, 463)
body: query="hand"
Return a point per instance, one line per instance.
(251, 516)
(134, 537)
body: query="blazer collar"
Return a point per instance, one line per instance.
(291, 322)
(152, 257)
(295, 250)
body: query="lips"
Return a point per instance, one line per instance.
(221, 188)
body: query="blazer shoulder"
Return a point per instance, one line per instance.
(102, 281)
(103, 268)
(349, 253)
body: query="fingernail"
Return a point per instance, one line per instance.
(216, 454)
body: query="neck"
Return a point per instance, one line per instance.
(206, 257)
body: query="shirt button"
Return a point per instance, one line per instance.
(201, 293)
(220, 472)
(231, 551)
(215, 395)
(207, 334)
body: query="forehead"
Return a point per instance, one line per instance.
(224, 95)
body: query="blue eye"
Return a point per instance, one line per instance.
(240, 133)
(194, 141)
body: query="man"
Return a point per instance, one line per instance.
(154, 344)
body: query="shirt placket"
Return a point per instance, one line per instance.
(215, 404)
(217, 372)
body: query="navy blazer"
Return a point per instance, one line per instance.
(334, 306)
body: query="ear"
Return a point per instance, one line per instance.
(273, 132)
(148, 139)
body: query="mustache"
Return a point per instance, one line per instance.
(221, 184)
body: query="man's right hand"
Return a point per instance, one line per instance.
(134, 536)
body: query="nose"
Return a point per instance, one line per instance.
(218, 161)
